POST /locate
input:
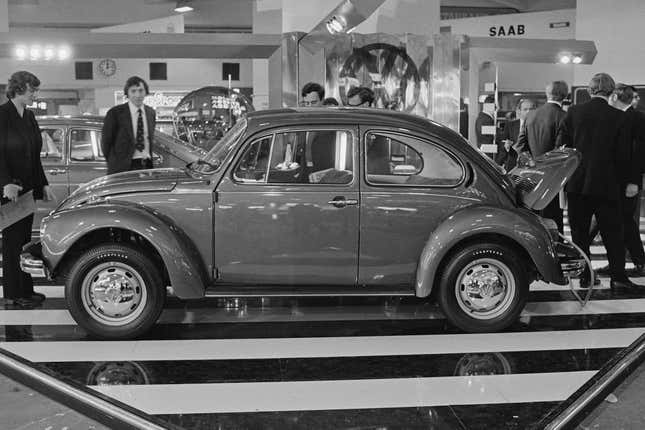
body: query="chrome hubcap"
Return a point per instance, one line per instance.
(114, 293)
(485, 288)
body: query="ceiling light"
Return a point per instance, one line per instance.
(21, 52)
(577, 59)
(49, 52)
(34, 52)
(336, 24)
(565, 59)
(64, 53)
(183, 6)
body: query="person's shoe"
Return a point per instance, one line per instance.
(637, 272)
(38, 297)
(626, 284)
(20, 303)
(585, 282)
(603, 270)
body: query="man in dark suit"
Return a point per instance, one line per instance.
(540, 134)
(484, 119)
(599, 132)
(128, 130)
(621, 99)
(506, 155)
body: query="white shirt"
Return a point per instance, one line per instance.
(134, 114)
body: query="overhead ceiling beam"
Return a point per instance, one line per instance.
(148, 45)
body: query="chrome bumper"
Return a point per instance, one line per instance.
(31, 261)
(571, 262)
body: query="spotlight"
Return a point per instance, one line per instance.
(183, 6)
(577, 59)
(336, 24)
(64, 53)
(21, 52)
(34, 52)
(565, 59)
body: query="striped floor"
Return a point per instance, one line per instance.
(342, 363)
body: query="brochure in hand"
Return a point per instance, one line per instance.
(13, 212)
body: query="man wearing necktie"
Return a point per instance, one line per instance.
(128, 130)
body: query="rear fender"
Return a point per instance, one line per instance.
(523, 228)
(186, 271)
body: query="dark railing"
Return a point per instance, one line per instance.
(96, 406)
(580, 404)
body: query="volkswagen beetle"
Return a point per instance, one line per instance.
(312, 202)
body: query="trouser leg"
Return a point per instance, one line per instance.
(15, 282)
(580, 220)
(631, 225)
(554, 212)
(610, 221)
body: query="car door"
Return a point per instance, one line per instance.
(410, 185)
(86, 160)
(53, 157)
(287, 211)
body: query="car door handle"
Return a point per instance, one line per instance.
(57, 171)
(341, 202)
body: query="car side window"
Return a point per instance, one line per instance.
(85, 145)
(312, 157)
(53, 145)
(393, 160)
(252, 167)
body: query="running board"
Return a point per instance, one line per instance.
(255, 291)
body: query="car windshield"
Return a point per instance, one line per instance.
(214, 159)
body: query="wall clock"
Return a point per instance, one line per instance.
(107, 67)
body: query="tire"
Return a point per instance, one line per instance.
(100, 310)
(499, 303)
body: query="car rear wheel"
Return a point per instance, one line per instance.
(483, 288)
(115, 292)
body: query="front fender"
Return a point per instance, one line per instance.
(522, 227)
(186, 271)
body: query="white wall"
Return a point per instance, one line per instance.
(617, 28)
(536, 25)
(183, 74)
(532, 76)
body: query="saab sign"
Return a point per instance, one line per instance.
(507, 30)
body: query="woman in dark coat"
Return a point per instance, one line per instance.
(20, 172)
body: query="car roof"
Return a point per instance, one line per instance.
(71, 120)
(347, 115)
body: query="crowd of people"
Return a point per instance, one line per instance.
(603, 195)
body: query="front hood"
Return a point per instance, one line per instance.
(138, 181)
(540, 182)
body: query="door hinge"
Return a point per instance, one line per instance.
(216, 273)
(215, 196)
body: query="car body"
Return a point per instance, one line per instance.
(332, 201)
(71, 154)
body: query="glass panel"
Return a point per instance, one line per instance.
(85, 145)
(392, 162)
(253, 164)
(53, 145)
(312, 157)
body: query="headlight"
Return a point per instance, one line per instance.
(551, 227)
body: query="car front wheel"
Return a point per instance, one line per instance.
(115, 292)
(483, 288)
